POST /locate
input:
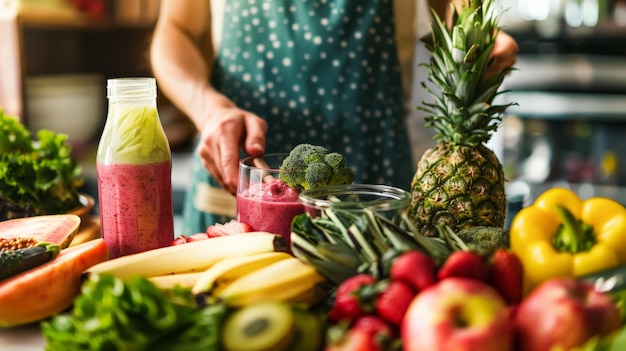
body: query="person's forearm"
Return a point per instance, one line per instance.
(442, 7)
(182, 71)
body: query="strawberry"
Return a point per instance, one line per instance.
(351, 298)
(356, 340)
(466, 264)
(373, 325)
(394, 300)
(506, 275)
(181, 239)
(416, 268)
(229, 228)
(197, 237)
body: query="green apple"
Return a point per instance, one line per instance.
(458, 314)
(563, 313)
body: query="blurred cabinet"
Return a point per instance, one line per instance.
(47, 40)
(568, 127)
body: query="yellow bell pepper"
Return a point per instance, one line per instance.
(560, 235)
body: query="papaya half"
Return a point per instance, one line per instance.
(56, 229)
(50, 288)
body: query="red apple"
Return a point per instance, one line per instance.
(564, 313)
(458, 314)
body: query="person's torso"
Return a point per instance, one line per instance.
(319, 71)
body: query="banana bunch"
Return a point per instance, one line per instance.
(223, 271)
(245, 281)
(181, 264)
(239, 269)
(170, 281)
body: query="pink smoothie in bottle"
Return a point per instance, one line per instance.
(134, 165)
(269, 207)
(143, 219)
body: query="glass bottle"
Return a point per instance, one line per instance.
(134, 168)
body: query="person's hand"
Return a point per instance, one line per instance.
(504, 53)
(226, 130)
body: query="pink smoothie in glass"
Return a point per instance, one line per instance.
(269, 207)
(141, 195)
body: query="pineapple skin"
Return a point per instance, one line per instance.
(461, 187)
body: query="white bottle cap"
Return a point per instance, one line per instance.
(131, 88)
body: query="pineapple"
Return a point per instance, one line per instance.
(460, 182)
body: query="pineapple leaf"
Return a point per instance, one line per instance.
(458, 44)
(498, 109)
(460, 59)
(465, 84)
(470, 56)
(440, 32)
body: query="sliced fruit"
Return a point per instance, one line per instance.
(183, 239)
(14, 262)
(50, 288)
(264, 326)
(179, 240)
(197, 237)
(308, 335)
(229, 228)
(55, 229)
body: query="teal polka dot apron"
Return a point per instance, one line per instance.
(324, 72)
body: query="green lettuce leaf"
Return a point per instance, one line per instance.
(37, 177)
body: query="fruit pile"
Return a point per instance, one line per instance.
(373, 310)
(236, 285)
(36, 260)
(222, 290)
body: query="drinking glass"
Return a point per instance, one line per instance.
(264, 202)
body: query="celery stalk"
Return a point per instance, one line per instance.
(137, 135)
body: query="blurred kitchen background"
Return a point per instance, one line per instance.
(568, 128)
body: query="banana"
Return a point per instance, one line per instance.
(232, 268)
(311, 296)
(285, 280)
(194, 256)
(184, 280)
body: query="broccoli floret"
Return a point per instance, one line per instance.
(317, 174)
(485, 240)
(311, 166)
(341, 174)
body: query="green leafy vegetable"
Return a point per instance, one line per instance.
(111, 314)
(38, 176)
(311, 166)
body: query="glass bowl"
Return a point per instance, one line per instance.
(387, 201)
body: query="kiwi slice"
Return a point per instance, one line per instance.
(263, 326)
(308, 334)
